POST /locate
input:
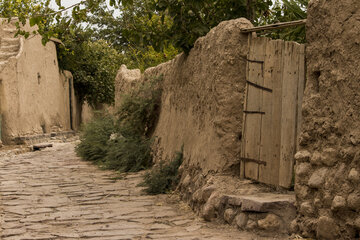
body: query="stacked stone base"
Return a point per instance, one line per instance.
(253, 207)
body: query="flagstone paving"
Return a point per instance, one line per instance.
(52, 194)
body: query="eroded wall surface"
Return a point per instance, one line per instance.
(34, 94)
(328, 166)
(202, 100)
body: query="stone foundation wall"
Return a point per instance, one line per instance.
(240, 203)
(328, 165)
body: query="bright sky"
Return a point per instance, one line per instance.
(68, 3)
(65, 3)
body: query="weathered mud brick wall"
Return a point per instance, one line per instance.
(202, 109)
(328, 166)
(34, 94)
(202, 100)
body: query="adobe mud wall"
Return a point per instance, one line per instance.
(328, 165)
(202, 100)
(202, 109)
(34, 94)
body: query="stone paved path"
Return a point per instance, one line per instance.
(52, 194)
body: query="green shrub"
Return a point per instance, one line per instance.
(129, 154)
(94, 138)
(122, 142)
(163, 178)
(139, 110)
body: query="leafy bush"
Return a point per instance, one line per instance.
(122, 142)
(163, 178)
(94, 138)
(139, 110)
(129, 154)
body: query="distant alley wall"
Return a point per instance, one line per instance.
(34, 95)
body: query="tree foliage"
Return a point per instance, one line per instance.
(23, 9)
(285, 11)
(93, 63)
(193, 19)
(94, 66)
(144, 33)
(141, 34)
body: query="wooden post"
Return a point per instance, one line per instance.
(274, 26)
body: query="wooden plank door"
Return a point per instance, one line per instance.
(253, 104)
(275, 84)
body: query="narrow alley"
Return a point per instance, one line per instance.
(52, 194)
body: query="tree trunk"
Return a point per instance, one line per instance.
(250, 10)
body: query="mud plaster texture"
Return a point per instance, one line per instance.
(34, 94)
(202, 100)
(201, 109)
(328, 164)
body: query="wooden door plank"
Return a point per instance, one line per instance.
(242, 153)
(288, 117)
(271, 122)
(253, 103)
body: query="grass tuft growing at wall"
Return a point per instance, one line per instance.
(94, 138)
(164, 177)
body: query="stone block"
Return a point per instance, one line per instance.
(213, 203)
(301, 191)
(306, 209)
(353, 201)
(270, 223)
(208, 212)
(207, 191)
(354, 176)
(302, 156)
(241, 220)
(317, 178)
(235, 200)
(355, 137)
(302, 169)
(251, 225)
(338, 203)
(197, 196)
(229, 215)
(294, 226)
(357, 223)
(266, 202)
(316, 158)
(327, 229)
(318, 203)
(329, 159)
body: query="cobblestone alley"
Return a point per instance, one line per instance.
(52, 194)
